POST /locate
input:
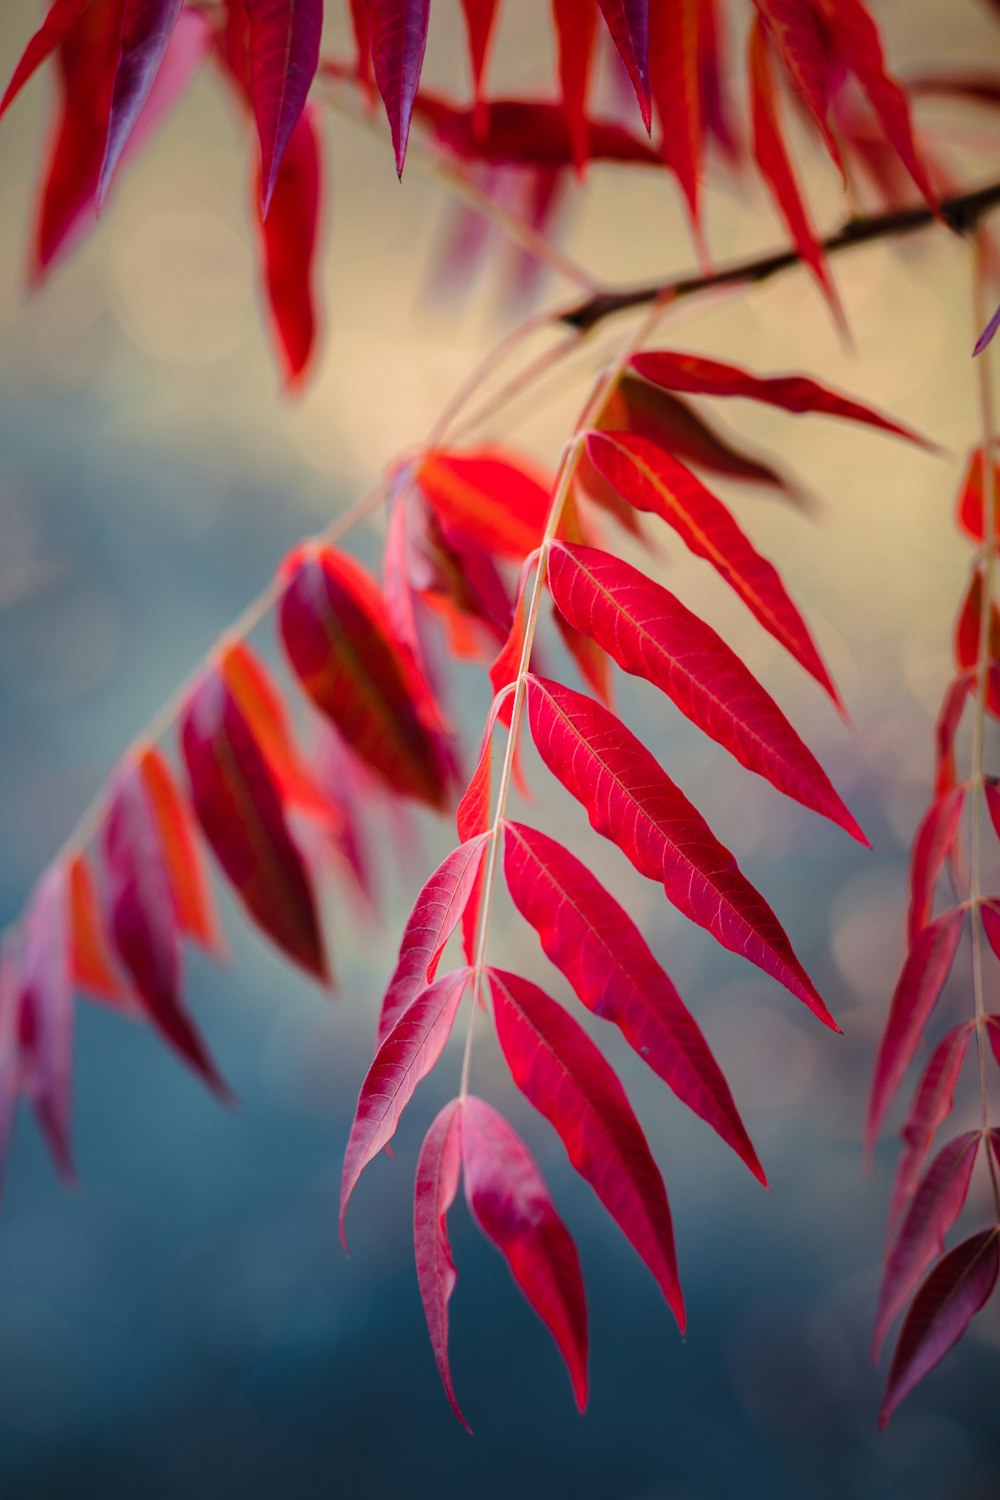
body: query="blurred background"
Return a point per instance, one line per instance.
(186, 1323)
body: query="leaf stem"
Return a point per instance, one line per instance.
(977, 783)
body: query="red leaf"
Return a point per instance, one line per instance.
(938, 1203)
(507, 663)
(61, 18)
(959, 1285)
(934, 841)
(496, 502)
(43, 1016)
(630, 799)
(335, 629)
(856, 38)
(473, 814)
(528, 133)
(147, 30)
(140, 918)
(92, 966)
(434, 1189)
(405, 1057)
(675, 78)
(593, 664)
(989, 912)
(794, 26)
(560, 1071)
(932, 1104)
(480, 16)
(592, 939)
(918, 989)
(88, 62)
(239, 804)
(970, 511)
(652, 635)
(651, 412)
(628, 23)
(289, 235)
(398, 30)
(284, 53)
(189, 888)
(700, 376)
(771, 156)
(575, 24)
(510, 1202)
(969, 625)
(436, 914)
(945, 730)
(653, 481)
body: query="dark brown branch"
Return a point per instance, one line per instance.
(960, 213)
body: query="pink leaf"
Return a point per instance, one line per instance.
(652, 635)
(651, 480)
(794, 26)
(434, 1189)
(44, 1013)
(435, 916)
(510, 1202)
(284, 53)
(560, 1071)
(934, 841)
(918, 989)
(592, 939)
(959, 1285)
(398, 31)
(938, 1203)
(630, 800)
(405, 1057)
(932, 1104)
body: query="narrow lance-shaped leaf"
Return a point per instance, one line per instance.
(289, 236)
(988, 334)
(62, 16)
(697, 375)
(560, 1071)
(141, 920)
(630, 799)
(335, 629)
(937, 1204)
(269, 723)
(239, 805)
(398, 31)
(436, 914)
(932, 1104)
(510, 1202)
(771, 156)
(93, 969)
(473, 813)
(958, 1287)
(148, 28)
(284, 53)
(934, 840)
(652, 481)
(652, 635)
(405, 1057)
(675, 81)
(434, 1189)
(592, 939)
(628, 23)
(918, 989)
(794, 27)
(575, 25)
(480, 18)
(189, 887)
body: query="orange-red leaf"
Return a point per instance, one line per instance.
(498, 502)
(92, 966)
(192, 897)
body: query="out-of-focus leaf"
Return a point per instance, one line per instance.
(93, 969)
(675, 81)
(527, 133)
(189, 887)
(289, 235)
(576, 25)
(494, 499)
(62, 16)
(628, 23)
(39, 1044)
(932, 844)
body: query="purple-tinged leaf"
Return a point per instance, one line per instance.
(628, 23)
(405, 1057)
(560, 1071)
(937, 1204)
(918, 989)
(434, 1189)
(960, 1284)
(43, 1021)
(986, 337)
(398, 30)
(510, 1202)
(592, 939)
(148, 28)
(284, 54)
(630, 799)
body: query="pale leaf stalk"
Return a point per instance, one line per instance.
(604, 389)
(977, 776)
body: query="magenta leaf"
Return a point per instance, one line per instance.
(434, 1189)
(149, 26)
(398, 30)
(284, 53)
